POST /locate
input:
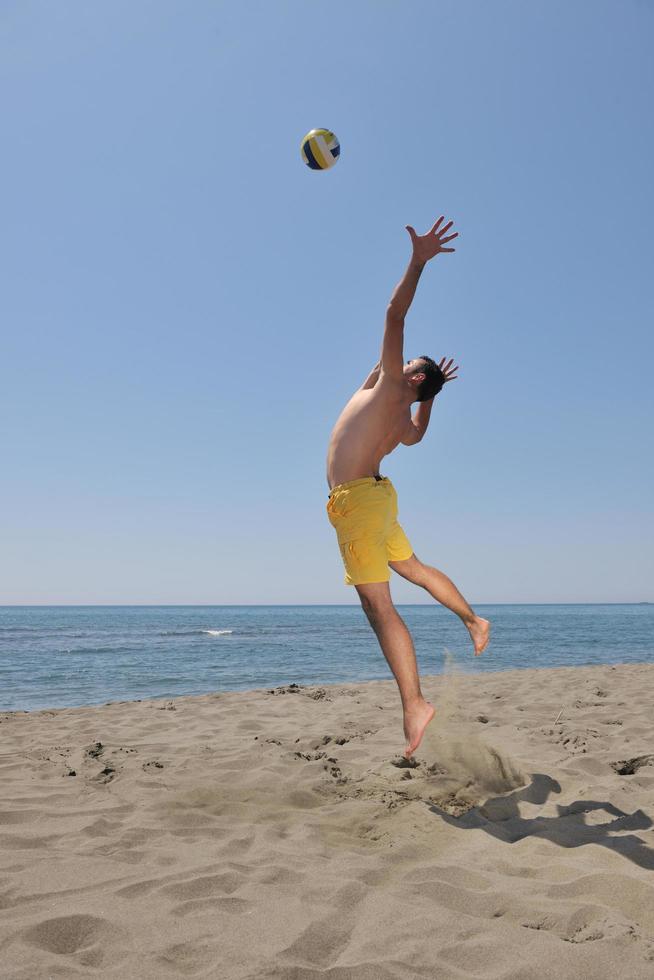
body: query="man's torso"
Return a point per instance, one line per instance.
(370, 427)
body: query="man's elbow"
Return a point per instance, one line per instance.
(394, 315)
(413, 438)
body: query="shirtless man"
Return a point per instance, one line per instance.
(362, 505)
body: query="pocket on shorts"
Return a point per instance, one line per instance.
(365, 561)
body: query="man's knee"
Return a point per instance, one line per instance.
(376, 604)
(369, 605)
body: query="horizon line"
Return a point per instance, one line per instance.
(290, 605)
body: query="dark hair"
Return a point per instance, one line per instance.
(434, 379)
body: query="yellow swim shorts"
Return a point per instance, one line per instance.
(364, 514)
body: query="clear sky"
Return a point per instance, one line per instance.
(186, 307)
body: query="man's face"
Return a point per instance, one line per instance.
(414, 366)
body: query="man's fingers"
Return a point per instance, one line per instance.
(449, 238)
(435, 226)
(445, 228)
(448, 368)
(448, 250)
(412, 232)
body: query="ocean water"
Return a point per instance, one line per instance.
(62, 656)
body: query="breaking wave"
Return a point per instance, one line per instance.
(195, 632)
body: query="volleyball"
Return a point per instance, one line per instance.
(320, 149)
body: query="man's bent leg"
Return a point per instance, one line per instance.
(441, 588)
(397, 646)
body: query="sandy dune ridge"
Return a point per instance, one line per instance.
(278, 834)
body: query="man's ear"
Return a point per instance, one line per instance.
(418, 378)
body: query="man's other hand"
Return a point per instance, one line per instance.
(449, 372)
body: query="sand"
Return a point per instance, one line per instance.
(274, 835)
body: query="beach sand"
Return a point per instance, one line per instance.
(273, 835)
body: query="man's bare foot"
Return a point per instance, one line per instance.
(415, 721)
(479, 630)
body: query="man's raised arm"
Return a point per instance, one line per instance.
(425, 247)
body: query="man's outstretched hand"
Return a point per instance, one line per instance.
(449, 372)
(425, 247)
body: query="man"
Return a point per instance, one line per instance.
(362, 505)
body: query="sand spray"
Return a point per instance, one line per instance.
(462, 763)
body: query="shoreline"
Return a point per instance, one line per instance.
(459, 670)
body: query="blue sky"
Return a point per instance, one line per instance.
(186, 307)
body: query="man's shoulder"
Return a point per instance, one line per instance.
(390, 386)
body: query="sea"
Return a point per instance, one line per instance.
(65, 656)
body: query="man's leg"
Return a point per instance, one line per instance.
(397, 646)
(441, 588)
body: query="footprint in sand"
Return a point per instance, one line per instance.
(92, 939)
(106, 775)
(627, 767)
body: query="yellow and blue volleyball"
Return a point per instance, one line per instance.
(320, 149)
